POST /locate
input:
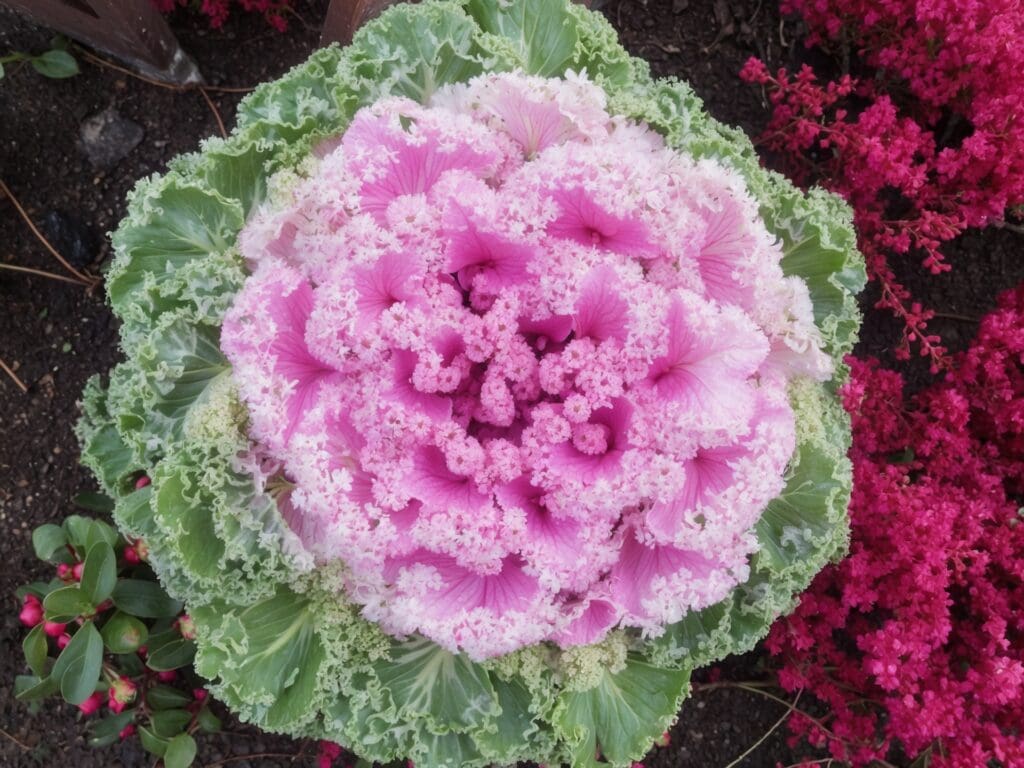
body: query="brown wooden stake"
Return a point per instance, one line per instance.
(131, 30)
(344, 17)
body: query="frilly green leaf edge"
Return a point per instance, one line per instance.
(281, 645)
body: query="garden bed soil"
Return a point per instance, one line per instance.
(56, 335)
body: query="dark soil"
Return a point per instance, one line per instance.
(55, 335)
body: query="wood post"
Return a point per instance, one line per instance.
(131, 30)
(344, 17)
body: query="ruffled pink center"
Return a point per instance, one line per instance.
(518, 362)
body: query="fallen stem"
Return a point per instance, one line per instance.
(85, 280)
(1018, 228)
(23, 388)
(952, 316)
(216, 113)
(20, 743)
(789, 711)
(783, 702)
(257, 756)
(40, 273)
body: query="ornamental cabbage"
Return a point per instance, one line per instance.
(486, 386)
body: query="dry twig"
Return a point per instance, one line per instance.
(216, 113)
(40, 273)
(86, 280)
(257, 756)
(23, 388)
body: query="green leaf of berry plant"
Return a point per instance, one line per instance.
(181, 751)
(99, 576)
(145, 599)
(78, 667)
(35, 647)
(67, 604)
(48, 540)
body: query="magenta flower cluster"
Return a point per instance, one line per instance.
(218, 11)
(924, 143)
(917, 638)
(519, 367)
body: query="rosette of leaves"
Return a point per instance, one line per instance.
(276, 635)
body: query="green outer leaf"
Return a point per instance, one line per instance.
(47, 540)
(278, 634)
(427, 681)
(413, 50)
(145, 599)
(171, 224)
(36, 650)
(624, 715)
(181, 751)
(99, 574)
(539, 33)
(516, 723)
(78, 666)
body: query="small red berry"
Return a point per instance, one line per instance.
(91, 705)
(142, 482)
(327, 754)
(120, 693)
(76, 572)
(131, 556)
(31, 611)
(199, 694)
(166, 676)
(186, 627)
(54, 629)
(64, 572)
(128, 730)
(63, 640)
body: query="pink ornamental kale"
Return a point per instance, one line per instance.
(518, 367)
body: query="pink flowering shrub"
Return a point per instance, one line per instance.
(917, 638)
(484, 332)
(217, 11)
(924, 141)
